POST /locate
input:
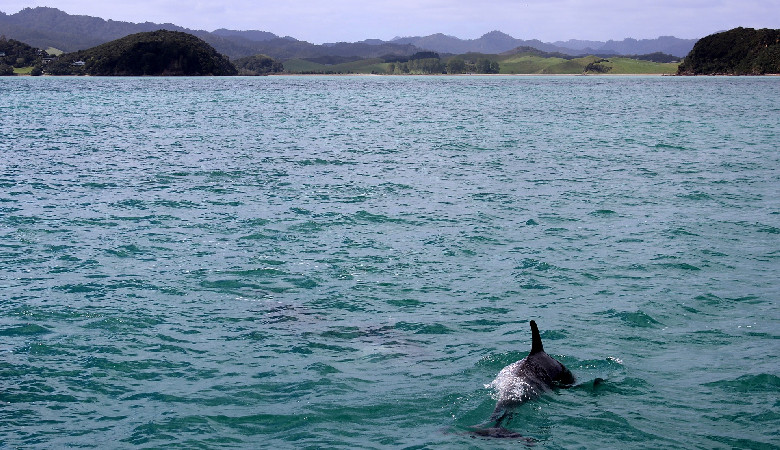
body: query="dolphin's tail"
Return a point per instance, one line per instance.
(495, 429)
(536, 339)
(498, 416)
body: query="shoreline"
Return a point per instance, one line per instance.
(408, 75)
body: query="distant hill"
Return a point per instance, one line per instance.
(490, 43)
(159, 52)
(664, 44)
(497, 42)
(251, 35)
(51, 28)
(741, 51)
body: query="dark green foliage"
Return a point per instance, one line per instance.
(6, 70)
(18, 54)
(535, 51)
(330, 59)
(258, 65)
(419, 63)
(424, 55)
(597, 67)
(655, 57)
(456, 65)
(151, 53)
(484, 65)
(741, 51)
(426, 66)
(473, 63)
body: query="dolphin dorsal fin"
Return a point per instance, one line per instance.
(536, 339)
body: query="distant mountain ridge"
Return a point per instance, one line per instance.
(498, 42)
(46, 27)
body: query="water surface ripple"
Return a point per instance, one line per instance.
(346, 262)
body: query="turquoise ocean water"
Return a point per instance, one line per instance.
(347, 262)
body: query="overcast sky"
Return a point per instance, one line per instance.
(319, 21)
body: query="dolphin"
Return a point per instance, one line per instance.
(522, 381)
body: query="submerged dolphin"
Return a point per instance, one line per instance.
(522, 381)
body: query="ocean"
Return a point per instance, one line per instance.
(348, 262)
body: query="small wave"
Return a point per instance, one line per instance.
(534, 286)
(324, 162)
(696, 196)
(603, 213)
(678, 266)
(492, 197)
(309, 226)
(125, 251)
(29, 329)
(530, 263)
(636, 319)
(730, 442)
(80, 288)
(769, 229)
(708, 299)
(553, 335)
(407, 303)
(608, 423)
(322, 369)
(763, 382)
(264, 272)
(420, 328)
(181, 204)
(365, 216)
(669, 146)
(680, 232)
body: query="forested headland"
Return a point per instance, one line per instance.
(171, 53)
(16, 55)
(741, 51)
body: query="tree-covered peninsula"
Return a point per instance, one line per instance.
(258, 65)
(15, 55)
(741, 51)
(161, 53)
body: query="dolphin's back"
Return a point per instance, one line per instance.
(528, 378)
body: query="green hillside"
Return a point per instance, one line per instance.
(18, 58)
(303, 66)
(518, 64)
(528, 63)
(636, 66)
(150, 53)
(741, 51)
(257, 65)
